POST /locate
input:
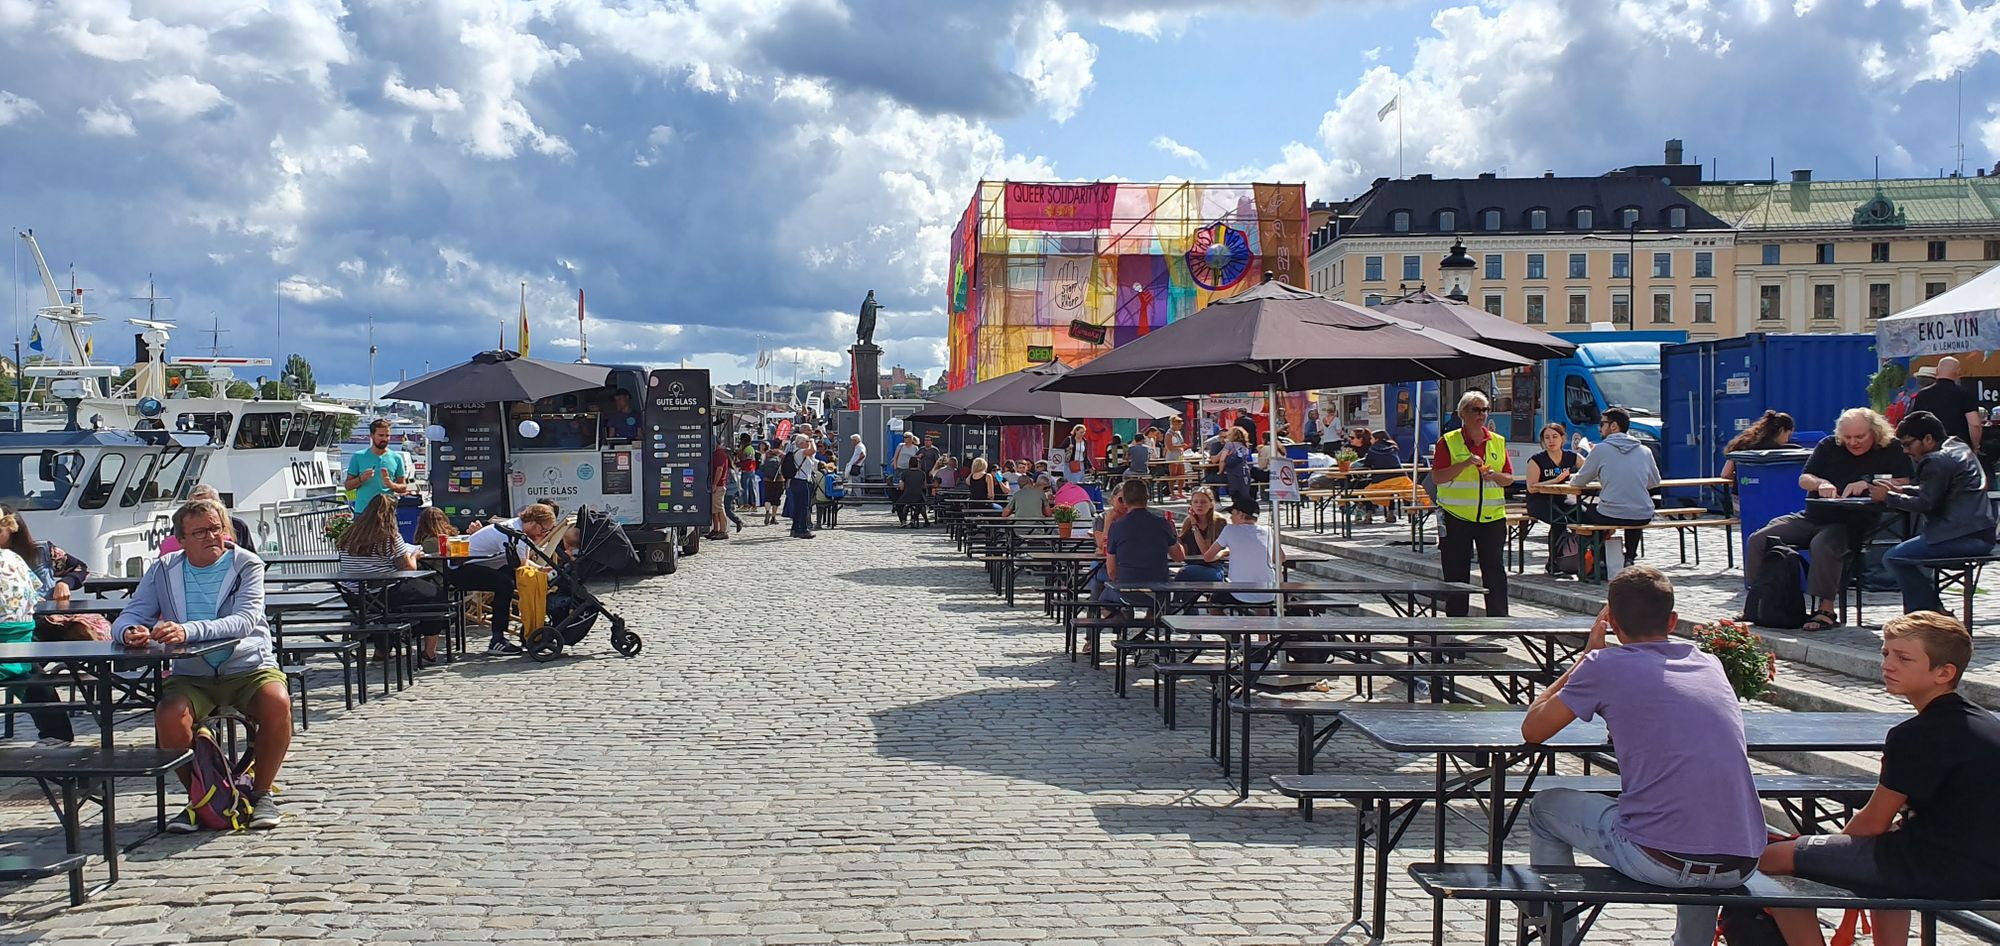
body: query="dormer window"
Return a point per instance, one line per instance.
(1677, 218)
(1538, 220)
(1447, 221)
(1400, 221)
(1584, 218)
(1491, 220)
(1628, 218)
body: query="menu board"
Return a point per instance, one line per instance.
(679, 434)
(468, 472)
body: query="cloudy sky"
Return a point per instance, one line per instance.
(724, 174)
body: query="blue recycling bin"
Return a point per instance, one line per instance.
(1298, 452)
(409, 509)
(1767, 486)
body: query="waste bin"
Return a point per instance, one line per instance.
(1767, 486)
(409, 509)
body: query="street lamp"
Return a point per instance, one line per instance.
(1457, 268)
(1632, 242)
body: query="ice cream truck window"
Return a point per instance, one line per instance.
(558, 431)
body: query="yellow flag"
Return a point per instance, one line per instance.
(524, 320)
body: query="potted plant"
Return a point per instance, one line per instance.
(336, 525)
(1750, 666)
(1065, 517)
(1346, 458)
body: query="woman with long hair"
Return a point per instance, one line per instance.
(984, 486)
(1078, 460)
(433, 524)
(24, 582)
(1197, 534)
(1769, 432)
(372, 546)
(1234, 462)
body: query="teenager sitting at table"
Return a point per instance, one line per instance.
(1941, 767)
(433, 524)
(1553, 465)
(372, 546)
(1687, 813)
(1031, 501)
(1864, 446)
(1246, 546)
(490, 568)
(1950, 493)
(1625, 470)
(212, 591)
(1197, 534)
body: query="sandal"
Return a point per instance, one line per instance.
(1821, 620)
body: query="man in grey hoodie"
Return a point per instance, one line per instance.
(1629, 475)
(1950, 492)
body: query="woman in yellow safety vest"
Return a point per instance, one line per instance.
(1472, 474)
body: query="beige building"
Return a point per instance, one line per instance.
(1834, 256)
(1555, 252)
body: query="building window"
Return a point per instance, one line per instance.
(1878, 252)
(1663, 307)
(1400, 221)
(1536, 269)
(1677, 218)
(1770, 254)
(1621, 266)
(1413, 268)
(1583, 218)
(1493, 266)
(1538, 220)
(1823, 253)
(1704, 265)
(1373, 299)
(1704, 308)
(1663, 265)
(1579, 309)
(1492, 221)
(1933, 290)
(1936, 251)
(1878, 300)
(1628, 218)
(1993, 249)
(1770, 304)
(1822, 310)
(1371, 269)
(1493, 304)
(1621, 308)
(1447, 221)
(1537, 312)
(1579, 266)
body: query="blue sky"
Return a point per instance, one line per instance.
(730, 174)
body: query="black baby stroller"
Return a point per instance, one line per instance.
(603, 549)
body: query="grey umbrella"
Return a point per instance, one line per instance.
(498, 376)
(1457, 318)
(1022, 395)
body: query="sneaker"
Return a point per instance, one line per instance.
(739, 525)
(51, 742)
(264, 813)
(184, 822)
(503, 648)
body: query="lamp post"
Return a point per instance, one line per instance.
(1632, 242)
(1457, 269)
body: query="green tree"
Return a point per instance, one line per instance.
(299, 372)
(240, 389)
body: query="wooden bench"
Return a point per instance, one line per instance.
(1593, 537)
(1581, 893)
(1960, 573)
(74, 770)
(347, 652)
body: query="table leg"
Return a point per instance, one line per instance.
(72, 838)
(105, 702)
(1496, 837)
(1437, 851)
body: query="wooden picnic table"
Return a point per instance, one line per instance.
(1493, 737)
(1571, 489)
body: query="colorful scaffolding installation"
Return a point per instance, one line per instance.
(1067, 271)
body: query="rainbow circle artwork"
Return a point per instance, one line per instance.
(1219, 256)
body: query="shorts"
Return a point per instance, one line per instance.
(1844, 860)
(204, 694)
(718, 497)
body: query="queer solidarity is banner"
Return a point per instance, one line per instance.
(1060, 207)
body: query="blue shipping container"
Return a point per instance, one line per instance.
(1712, 390)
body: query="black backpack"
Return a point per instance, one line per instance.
(1778, 597)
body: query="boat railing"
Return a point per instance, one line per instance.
(301, 523)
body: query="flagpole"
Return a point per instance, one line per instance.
(582, 334)
(1399, 131)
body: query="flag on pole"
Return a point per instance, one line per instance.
(89, 346)
(853, 386)
(35, 339)
(1384, 111)
(524, 320)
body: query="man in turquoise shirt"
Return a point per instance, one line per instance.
(378, 469)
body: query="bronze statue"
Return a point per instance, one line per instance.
(864, 334)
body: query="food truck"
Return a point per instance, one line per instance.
(636, 449)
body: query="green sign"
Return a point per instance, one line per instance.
(1041, 353)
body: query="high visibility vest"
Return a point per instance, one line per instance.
(1468, 497)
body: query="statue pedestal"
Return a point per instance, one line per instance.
(867, 362)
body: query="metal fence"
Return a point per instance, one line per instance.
(299, 524)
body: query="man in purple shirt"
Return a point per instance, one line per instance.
(1687, 813)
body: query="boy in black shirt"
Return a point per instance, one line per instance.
(1941, 765)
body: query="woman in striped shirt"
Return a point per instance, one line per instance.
(372, 546)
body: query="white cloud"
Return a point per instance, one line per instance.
(422, 100)
(658, 138)
(13, 107)
(1058, 62)
(1181, 151)
(180, 97)
(107, 121)
(308, 291)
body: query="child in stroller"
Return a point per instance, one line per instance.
(600, 548)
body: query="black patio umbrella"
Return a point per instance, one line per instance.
(1465, 321)
(1021, 395)
(936, 413)
(494, 376)
(1278, 337)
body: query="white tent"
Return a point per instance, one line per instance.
(1965, 319)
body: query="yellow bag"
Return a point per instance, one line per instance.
(531, 597)
(1396, 488)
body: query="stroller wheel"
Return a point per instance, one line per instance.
(626, 643)
(545, 644)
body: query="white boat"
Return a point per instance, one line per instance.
(272, 457)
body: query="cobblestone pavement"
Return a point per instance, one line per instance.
(847, 740)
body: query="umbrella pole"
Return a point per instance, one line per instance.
(1277, 521)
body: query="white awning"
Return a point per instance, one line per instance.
(1965, 319)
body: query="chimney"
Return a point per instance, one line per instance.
(1420, 177)
(1802, 176)
(1673, 151)
(1488, 176)
(1549, 174)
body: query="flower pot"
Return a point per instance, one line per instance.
(1346, 465)
(1065, 528)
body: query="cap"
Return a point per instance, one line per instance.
(1927, 371)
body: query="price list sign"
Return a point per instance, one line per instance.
(677, 436)
(468, 473)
